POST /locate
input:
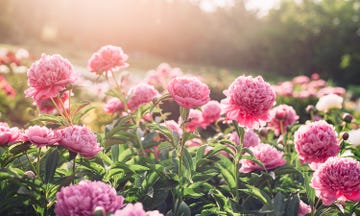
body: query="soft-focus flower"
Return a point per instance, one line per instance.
(49, 76)
(135, 210)
(302, 79)
(194, 121)
(268, 155)
(337, 179)
(189, 92)
(250, 138)
(9, 135)
(315, 142)
(211, 112)
(173, 126)
(284, 89)
(331, 90)
(141, 94)
(282, 116)
(248, 101)
(194, 142)
(327, 102)
(46, 105)
(83, 198)
(160, 77)
(303, 209)
(6, 87)
(113, 105)
(354, 137)
(80, 139)
(107, 58)
(41, 136)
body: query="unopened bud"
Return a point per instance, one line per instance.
(281, 115)
(345, 136)
(263, 132)
(310, 109)
(30, 174)
(99, 211)
(347, 117)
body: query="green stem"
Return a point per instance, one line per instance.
(74, 169)
(38, 162)
(31, 163)
(241, 133)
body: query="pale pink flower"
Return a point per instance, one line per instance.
(194, 121)
(83, 198)
(135, 210)
(46, 105)
(211, 112)
(282, 116)
(302, 79)
(315, 76)
(49, 76)
(331, 90)
(106, 59)
(250, 138)
(284, 89)
(113, 105)
(337, 179)
(162, 75)
(315, 142)
(189, 92)
(41, 136)
(303, 209)
(9, 135)
(194, 142)
(141, 94)
(268, 155)
(173, 126)
(248, 101)
(80, 139)
(330, 101)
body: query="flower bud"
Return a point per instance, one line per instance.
(310, 109)
(99, 211)
(281, 115)
(345, 136)
(347, 117)
(263, 132)
(30, 174)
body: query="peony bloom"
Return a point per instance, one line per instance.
(250, 138)
(189, 92)
(194, 121)
(135, 210)
(303, 209)
(268, 155)
(106, 59)
(316, 142)
(41, 136)
(9, 135)
(83, 198)
(174, 127)
(248, 101)
(211, 112)
(354, 137)
(49, 76)
(141, 94)
(327, 102)
(6, 87)
(331, 90)
(46, 105)
(302, 79)
(282, 116)
(160, 77)
(337, 179)
(80, 139)
(284, 89)
(113, 105)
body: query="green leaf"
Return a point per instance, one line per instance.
(310, 192)
(138, 168)
(292, 205)
(81, 111)
(256, 193)
(50, 165)
(279, 205)
(228, 176)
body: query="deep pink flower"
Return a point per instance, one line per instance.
(194, 121)
(189, 92)
(113, 105)
(250, 138)
(141, 94)
(80, 139)
(303, 209)
(83, 198)
(49, 76)
(211, 112)
(135, 210)
(248, 101)
(337, 179)
(46, 105)
(316, 142)
(9, 135)
(268, 155)
(41, 136)
(107, 58)
(282, 116)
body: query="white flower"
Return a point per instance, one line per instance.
(327, 102)
(354, 137)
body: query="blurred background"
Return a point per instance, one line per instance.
(267, 37)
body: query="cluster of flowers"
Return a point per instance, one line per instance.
(249, 102)
(6, 87)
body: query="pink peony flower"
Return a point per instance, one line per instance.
(268, 155)
(194, 121)
(302, 79)
(9, 135)
(303, 209)
(46, 105)
(41, 136)
(107, 58)
(6, 87)
(331, 90)
(211, 112)
(248, 101)
(189, 92)
(49, 76)
(173, 126)
(80, 139)
(337, 179)
(141, 94)
(284, 89)
(83, 198)
(250, 138)
(113, 105)
(135, 210)
(160, 77)
(282, 115)
(316, 142)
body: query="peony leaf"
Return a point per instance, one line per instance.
(50, 165)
